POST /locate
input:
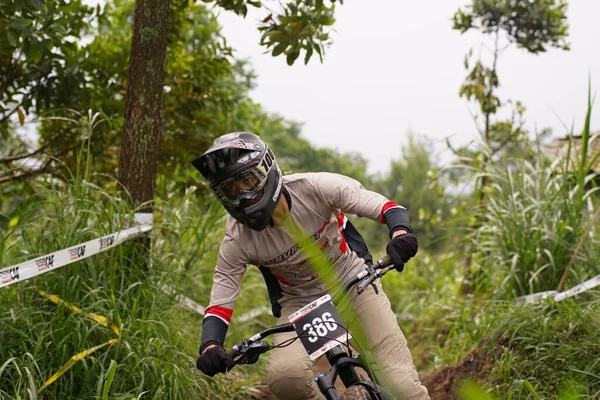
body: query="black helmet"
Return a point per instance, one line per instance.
(243, 159)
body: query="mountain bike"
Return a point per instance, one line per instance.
(320, 329)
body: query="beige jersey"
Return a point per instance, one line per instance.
(318, 203)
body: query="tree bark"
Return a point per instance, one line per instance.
(141, 144)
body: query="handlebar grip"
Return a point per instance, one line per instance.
(386, 261)
(233, 352)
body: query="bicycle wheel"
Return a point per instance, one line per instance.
(360, 392)
(356, 392)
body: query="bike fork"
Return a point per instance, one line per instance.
(347, 373)
(327, 387)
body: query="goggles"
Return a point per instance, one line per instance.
(246, 185)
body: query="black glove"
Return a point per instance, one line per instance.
(401, 249)
(214, 360)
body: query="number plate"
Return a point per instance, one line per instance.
(319, 326)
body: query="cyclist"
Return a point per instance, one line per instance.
(244, 176)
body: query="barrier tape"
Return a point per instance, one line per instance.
(81, 355)
(558, 296)
(58, 259)
(72, 362)
(98, 318)
(185, 301)
(52, 261)
(582, 287)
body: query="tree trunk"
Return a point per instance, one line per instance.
(141, 143)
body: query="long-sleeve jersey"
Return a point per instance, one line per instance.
(318, 203)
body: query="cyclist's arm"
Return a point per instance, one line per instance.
(230, 269)
(349, 195)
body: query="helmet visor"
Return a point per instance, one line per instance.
(245, 185)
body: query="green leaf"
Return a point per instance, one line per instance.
(20, 23)
(21, 116)
(34, 52)
(292, 56)
(317, 48)
(34, 5)
(109, 379)
(529, 387)
(309, 52)
(277, 50)
(13, 222)
(11, 38)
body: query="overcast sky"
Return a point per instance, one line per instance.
(396, 66)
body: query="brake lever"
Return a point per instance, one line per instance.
(362, 285)
(373, 274)
(251, 352)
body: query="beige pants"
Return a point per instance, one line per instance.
(290, 375)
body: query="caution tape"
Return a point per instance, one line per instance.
(81, 355)
(98, 318)
(72, 362)
(558, 296)
(582, 287)
(52, 261)
(58, 259)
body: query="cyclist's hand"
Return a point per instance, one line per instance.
(214, 360)
(401, 249)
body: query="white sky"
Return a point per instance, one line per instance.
(396, 66)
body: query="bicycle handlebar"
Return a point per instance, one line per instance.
(251, 345)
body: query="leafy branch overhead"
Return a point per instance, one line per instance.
(298, 26)
(532, 24)
(38, 44)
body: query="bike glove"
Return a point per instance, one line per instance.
(214, 360)
(401, 249)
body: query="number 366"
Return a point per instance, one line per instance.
(322, 325)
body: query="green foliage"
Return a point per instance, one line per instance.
(479, 86)
(533, 25)
(38, 42)
(533, 221)
(418, 183)
(530, 228)
(158, 340)
(471, 390)
(296, 154)
(298, 26)
(552, 348)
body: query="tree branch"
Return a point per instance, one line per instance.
(35, 171)
(14, 110)
(9, 159)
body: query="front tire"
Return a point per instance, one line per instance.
(356, 392)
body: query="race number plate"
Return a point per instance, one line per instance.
(319, 327)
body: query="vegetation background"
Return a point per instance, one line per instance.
(103, 108)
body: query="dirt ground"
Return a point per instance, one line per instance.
(442, 383)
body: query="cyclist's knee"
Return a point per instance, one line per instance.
(291, 380)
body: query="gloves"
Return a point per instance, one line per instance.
(401, 249)
(214, 360)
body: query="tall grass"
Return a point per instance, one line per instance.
(551, 347)
(155, 355)
(533, 220)
(535, 216)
